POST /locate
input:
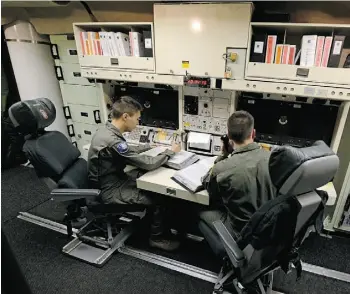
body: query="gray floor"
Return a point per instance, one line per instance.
(48, 271)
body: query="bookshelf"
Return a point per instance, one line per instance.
(297, 70)
(111, 50)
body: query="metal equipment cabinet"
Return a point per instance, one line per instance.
(292, 33)
(197, 38)
(82, 98)
(91, 64)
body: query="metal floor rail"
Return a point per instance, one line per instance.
(173, 264)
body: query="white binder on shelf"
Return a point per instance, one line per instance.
(308, 50)
(136, 44)
(123, 44)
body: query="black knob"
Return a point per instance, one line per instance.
(205, 105)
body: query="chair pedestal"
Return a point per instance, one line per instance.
(98, 239)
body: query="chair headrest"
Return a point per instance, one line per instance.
(300, 170)
(32, 116)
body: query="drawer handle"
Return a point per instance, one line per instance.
(54, 51)
(59, 73)
(87, 132)
(84, 114)
(71, 130)
(76, 74)
(302, 72)
(72, 52)
(114, 61)
(97, 116)
(171, 191)
(66, 111)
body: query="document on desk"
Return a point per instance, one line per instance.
(180, 160)
(191, 177)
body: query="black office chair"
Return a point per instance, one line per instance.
(273, 235)
(58, 163)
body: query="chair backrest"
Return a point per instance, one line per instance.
(50, 153)
(280, 223)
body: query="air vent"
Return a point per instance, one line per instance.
(335, 102)
(319, 101)
(252, 95)
(301, 99)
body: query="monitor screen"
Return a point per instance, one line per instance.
(293, 123)
(160, 106)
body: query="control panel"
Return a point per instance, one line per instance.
(144, 135)
(206, 110)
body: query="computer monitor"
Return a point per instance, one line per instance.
(160, 106)
(293, 123)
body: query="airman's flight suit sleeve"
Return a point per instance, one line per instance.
(140, 149)
(140, 160)
(210, 184)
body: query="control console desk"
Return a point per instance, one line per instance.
(159, 181)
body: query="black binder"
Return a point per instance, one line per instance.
(147, 41)
(337, 48)
(258, 49)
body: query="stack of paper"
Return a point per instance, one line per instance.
(191, 177)
(199, 141)
(180, 160)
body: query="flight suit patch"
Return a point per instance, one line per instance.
(122, 147)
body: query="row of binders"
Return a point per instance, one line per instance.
(318, 51)
(115, 44)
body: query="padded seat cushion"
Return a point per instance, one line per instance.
(76, 176)
(285, 160)
(51, 154)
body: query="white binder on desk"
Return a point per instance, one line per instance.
(180, 160)
(191, 177)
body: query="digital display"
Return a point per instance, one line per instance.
(197, 82)
(160, 106)
(293, 123)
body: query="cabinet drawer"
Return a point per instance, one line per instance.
(83, 114)
(84, 133)
(286, 72)
(70, 74)
(131, 63)
(63, 48)
(78, 94)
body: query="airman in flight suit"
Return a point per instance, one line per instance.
(108, 156)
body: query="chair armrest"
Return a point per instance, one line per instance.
(74, 194)
(235, 254)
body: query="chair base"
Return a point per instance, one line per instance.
(96, 249)
(227, 274)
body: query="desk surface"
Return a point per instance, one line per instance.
(159, 181)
